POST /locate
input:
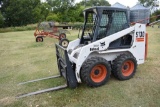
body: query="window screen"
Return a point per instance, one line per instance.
(111, 22)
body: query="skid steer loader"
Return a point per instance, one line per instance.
(107, 44)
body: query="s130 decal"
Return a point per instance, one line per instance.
(140, 36)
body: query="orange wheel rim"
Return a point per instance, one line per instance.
(127, 68)
(39, 39)
(98, 73)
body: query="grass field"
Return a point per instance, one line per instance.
(22, 59)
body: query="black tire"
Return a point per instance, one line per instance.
(64, 42)
(124, 66)
(39, 39)
(62, 36)
(95, 71)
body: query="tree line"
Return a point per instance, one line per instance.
(23, 12)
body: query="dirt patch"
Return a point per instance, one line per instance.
(7, 101)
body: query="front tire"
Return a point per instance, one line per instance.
(95, 71)
(64, 42)
(62, 36)
(124, 67)
(39, 39)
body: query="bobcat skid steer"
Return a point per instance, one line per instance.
(107, 44)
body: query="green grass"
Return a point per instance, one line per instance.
(22, 59)
(21, 28)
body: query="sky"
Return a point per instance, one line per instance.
(129, 3)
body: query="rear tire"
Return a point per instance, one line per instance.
(95, 71)
(62, 36)
(124, 67)
(39, 39)
(64, 42)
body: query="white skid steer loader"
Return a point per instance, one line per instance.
(107, 44)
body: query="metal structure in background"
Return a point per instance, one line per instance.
(49, 29)
(118, 5)
(139, 12)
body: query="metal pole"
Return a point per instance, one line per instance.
(56, 76)
(43, 91)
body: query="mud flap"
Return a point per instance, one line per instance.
(65, 67)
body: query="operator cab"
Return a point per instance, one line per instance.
(103, 21)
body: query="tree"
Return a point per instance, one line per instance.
(60, 5)
(70, 12)
(53, 17)
(45, 9)
(95, 3)
(23, 12)
(148, 3)
(66, 10)
(1, 20)
(76, 13)
(40, 12)
(154, 15)
(19, 12)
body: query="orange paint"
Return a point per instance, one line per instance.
(140, 39)
(127, 68)
(146, 46)
(98, 73)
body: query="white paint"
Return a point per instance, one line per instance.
(137, 49)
